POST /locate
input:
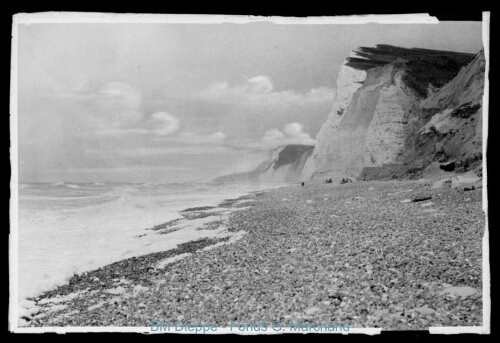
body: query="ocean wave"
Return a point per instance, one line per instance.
(92, 216)
(46, 197)
(66, 185)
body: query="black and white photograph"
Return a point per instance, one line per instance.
(250, 175)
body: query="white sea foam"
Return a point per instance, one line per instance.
(68, 230)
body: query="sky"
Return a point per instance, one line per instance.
(185, 102)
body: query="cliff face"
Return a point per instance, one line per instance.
(398, 113)
(328, 152)
(288, 164)
(402, 112)
(291, 163)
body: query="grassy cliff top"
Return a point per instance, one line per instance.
(383, 54)
(423, 66)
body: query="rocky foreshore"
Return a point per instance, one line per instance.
(395, 255)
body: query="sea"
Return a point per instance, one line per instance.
(68, 228)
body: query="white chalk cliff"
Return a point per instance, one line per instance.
(399, 112)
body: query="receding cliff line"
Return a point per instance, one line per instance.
(290, 163)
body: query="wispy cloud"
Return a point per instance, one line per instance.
(186, 143)
(160, 124)
(118, 105)
(272, 135)
(259, 91)
(215, 138)
(126, 169)
(115, 109)
(180, 150)
(293, 133)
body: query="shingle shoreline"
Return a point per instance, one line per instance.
(321, 253)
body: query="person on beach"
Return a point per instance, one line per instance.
(303, 184)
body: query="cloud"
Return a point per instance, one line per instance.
(122, 93)
(181, 150)
(259, 92)
(273, 134)
(118, 105)
(116, 110)
(159, 123)
(163, 123)
(126, 169)
(185, 143)
(188, 143)
(218, 135)
(293, 133)
(191, 138)
(293, 129)
(260, 84)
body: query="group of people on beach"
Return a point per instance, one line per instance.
(344, 180)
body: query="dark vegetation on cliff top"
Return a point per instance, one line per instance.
(423, 66)
(436, 70)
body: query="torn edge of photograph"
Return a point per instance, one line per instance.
(170, 124)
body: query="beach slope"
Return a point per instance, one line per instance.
(394, 254)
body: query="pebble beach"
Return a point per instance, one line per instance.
(396, 255)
